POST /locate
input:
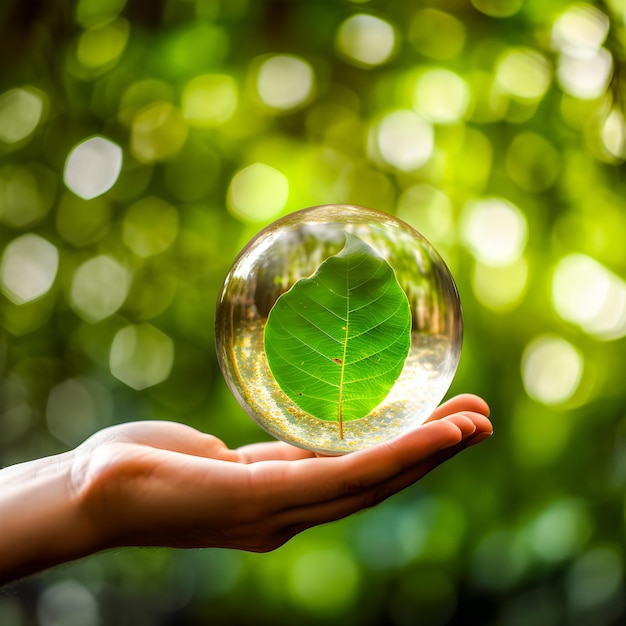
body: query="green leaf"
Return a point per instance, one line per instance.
(336, 342)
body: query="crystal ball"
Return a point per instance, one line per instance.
(338, 327)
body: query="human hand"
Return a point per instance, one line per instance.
(166, 484)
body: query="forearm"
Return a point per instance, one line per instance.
(42, 519)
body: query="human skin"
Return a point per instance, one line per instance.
(155, 483)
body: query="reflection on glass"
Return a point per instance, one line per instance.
(293, 248)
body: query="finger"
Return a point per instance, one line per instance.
(480, 429)
(311, 482)
(462, 402)
(268, 451)
(299, 519)
(424, 447)
(480, 423)
(184, 439)
(276, 450)
(163, 435)
(463, 422)
(305, 517)
(317, 480)
(282, 451)
(484, 430)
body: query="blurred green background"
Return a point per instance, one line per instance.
(143, 143)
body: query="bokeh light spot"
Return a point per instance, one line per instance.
(613, 134)
(150, 226)
(490, 101)
(332, 593)
(99, 288)
(28, 268)
(596, 579)
(524, 73)
(551, 370)
(101, 45)
(584, 67)
(141, 356)
(499, 560)
(559, 531)
(436, 34)
(141, 95)
(74, 409)
(585, 76)
(441, 96)
(498, 8)
(91, 12)
(494, 230)
(365, 40)
(21, 111)
(27, 192)
(394, 536)
(284, 82)
(209, 100)
(258, 193)
(69, 603)
(579, 29)
(92, 167)
(158, 132)
(474, 164)
(586, 293)
(154, 288)
(428, 210)
(500, 288)
(405, 140)
(194, 47)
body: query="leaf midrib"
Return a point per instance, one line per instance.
(343, 359)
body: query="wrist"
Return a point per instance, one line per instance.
(43, 519)
(90, 483)
(101, 475)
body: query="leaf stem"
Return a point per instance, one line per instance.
(339, 416)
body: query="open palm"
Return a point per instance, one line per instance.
(163, 483)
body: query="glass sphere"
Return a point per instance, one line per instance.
(294, 248)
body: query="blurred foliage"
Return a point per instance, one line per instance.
(143, 143)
